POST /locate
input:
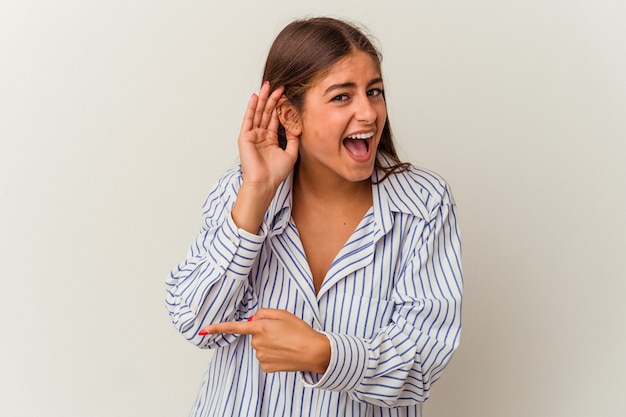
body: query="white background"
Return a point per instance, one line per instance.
(117, 116)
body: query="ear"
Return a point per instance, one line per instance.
(289, 117)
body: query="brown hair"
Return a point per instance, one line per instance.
(305, 50)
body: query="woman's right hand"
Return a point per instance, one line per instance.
(264, 164)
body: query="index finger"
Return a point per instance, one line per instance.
(228, 327)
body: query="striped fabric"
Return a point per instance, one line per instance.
(390, 303)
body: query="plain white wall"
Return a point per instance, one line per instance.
(117, 116)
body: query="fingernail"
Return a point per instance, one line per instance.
(250, 318)
(203, 332)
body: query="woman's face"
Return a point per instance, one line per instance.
(342, 120)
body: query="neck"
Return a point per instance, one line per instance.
(330, 190)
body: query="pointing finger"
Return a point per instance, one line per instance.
(229, 327)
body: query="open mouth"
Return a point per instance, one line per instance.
(359, 144)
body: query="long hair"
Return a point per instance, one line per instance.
(304, 51)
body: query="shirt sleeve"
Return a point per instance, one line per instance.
(211, 285)
(398, 365)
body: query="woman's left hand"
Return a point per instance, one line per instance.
(282, 341)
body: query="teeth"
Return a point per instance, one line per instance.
(362, 135)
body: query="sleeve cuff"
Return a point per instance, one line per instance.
(243, 247)
(347, 368)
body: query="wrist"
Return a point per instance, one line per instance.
(250, 207)
(322, 354)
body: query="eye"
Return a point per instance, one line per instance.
(341, 97)
(375, 92)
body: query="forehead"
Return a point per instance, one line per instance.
(358, 66)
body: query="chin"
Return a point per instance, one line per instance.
(358, 175)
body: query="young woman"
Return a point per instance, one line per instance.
(327, 274)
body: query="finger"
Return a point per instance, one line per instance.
(292, 146)
(263, 96)
(229, 327)
(274, 122)
(270, 107)
(248, 117)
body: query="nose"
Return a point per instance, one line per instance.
(365, 111)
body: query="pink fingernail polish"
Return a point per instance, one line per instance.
(203, 332)
(250, 318)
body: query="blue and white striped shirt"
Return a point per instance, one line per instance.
(390, 303)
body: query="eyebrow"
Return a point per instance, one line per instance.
(351, 85)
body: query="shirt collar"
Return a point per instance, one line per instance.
(395, 194)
